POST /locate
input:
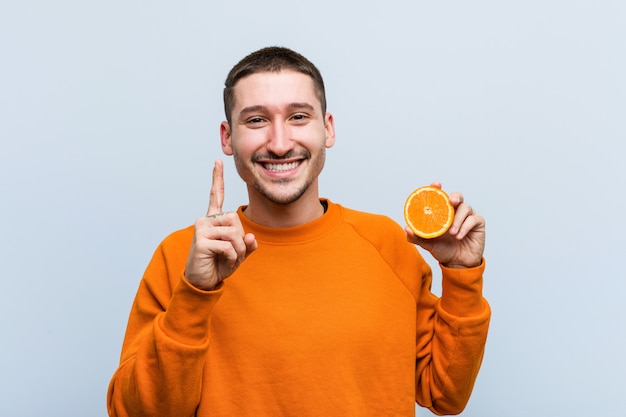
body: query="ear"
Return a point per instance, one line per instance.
(329, 126)
(225, 138)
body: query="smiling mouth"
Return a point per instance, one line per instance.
(283, 163)
(274, 167)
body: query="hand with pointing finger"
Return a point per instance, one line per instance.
(219, 243)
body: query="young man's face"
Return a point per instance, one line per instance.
(278, 135)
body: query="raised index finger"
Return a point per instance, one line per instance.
(216, 198)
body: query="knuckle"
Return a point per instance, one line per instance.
(230, 215)
(200, 221)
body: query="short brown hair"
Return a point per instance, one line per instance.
(271, 59)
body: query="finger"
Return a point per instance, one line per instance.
(223, 226)
(455, 198)
(237, 249)
(473, 223)
(224, 248)
(251, 243)
(462, 212)
(222, 241)
(216, 198)
(223, 218)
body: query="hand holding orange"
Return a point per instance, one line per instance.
(428, 212)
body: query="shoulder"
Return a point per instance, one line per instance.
(372, 224)
(177, 236)
(390, 241)
(380, 230)
(169, 258)
(177, 242)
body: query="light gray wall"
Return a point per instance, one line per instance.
(109, 115)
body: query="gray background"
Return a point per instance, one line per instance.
(109, 116)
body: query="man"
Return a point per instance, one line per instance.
(294, 305)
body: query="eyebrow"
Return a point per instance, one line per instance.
(304, 106)
(259, 108)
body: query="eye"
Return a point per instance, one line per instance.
(255, 121)
(299, 117)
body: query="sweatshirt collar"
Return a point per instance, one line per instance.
(297, 234)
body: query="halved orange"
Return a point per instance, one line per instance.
(428, 212)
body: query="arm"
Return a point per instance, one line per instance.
(452, 330)
(165, 344)
(167, 337)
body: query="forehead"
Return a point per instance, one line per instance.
(275, 89)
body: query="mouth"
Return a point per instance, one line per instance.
(281, 167)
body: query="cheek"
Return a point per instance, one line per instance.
(243, 167)
(318, 161)
(253, 141)
(240, 147)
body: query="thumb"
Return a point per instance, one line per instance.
(216, 198)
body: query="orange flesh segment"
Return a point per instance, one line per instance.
(428, 212)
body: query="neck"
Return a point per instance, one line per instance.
(266, 213)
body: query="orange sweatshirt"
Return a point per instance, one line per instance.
(331, 318)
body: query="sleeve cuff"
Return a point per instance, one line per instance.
(462, 291)
(188, 314)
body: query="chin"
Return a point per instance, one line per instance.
(282, 198)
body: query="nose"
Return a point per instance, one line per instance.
(279, 141)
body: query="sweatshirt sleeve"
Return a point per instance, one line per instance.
(452, 332)
(166, 341)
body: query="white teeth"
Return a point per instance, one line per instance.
(281, 167)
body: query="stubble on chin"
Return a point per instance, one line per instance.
(285, 198)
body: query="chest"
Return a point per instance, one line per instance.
(323, 299)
